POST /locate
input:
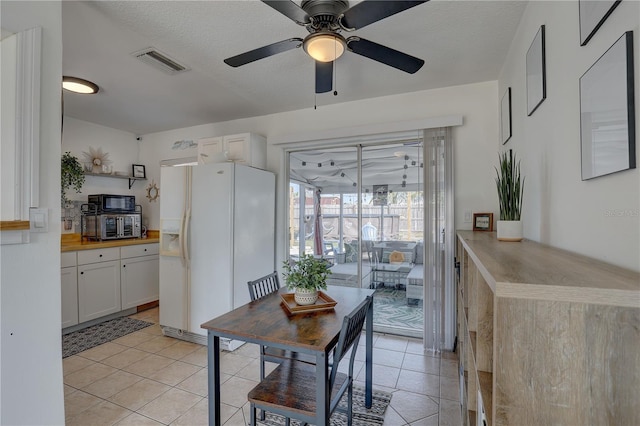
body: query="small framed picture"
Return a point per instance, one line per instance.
(138, 171)
(483, 222)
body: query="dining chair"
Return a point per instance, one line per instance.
(290, 390)
(258, 289)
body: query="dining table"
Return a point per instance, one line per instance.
(316, 332)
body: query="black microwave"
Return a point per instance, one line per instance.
(106, 203)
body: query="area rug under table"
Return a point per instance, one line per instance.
(373, 416)
(98, 334)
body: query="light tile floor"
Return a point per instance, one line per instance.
(145, 378)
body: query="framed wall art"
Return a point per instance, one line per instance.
(536, 72)
(505, 116)
(607, 112)
(483, 222)
(592, 16)
(138, 171)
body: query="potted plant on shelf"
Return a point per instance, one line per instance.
(306, 276)
(510, 192)
(71, 176)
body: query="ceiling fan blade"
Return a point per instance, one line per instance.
(384, 54)
(324, 76)
(290, 10)
(369, 11)
(263, 52)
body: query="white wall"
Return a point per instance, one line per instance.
(30, 342)
(123, 149)
(474, 141)
(8, 131)
(78, 136)
(599, 217)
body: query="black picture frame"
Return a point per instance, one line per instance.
(138, 171)
(607, 112)
(536, 72)
(592, 16)
(505, 116)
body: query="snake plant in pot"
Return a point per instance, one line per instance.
(307, 276)
(510, 187)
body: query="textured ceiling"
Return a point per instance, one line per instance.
(461, 42)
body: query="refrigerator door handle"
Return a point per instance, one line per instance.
(185, 240)
(181, 242)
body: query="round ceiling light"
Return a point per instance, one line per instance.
(324, 46)
(78, 85)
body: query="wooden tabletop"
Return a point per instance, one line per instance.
(266, 321)
(528, 269)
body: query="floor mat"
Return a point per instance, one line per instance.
(361, 416)
(390, 309)
(98, 334)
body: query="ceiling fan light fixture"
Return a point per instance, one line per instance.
(324, 46)
(79, 85)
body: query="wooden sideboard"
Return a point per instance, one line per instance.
(545, 336)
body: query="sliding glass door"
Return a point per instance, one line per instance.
(361, 207)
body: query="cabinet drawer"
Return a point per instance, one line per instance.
(99, 255)
(68, 259)
(138, 250)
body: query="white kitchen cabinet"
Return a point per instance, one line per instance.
(139, 275)
(69, 289)
(98, 283)
(210, 150)
(245, 148)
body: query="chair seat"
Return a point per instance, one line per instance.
(292, 385)
(277, 355)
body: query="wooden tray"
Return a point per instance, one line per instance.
(324, 303)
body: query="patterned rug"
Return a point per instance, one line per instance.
(361, 416)
(390, 309)
(98, 334)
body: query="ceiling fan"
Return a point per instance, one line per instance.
(325, 20)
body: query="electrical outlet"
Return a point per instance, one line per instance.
(467, 217)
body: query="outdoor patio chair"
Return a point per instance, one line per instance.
(369, 237)
(286, 391)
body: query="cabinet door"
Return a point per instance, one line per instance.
(210, 150)
(69, 293)
(98, 290)
(139, 281)
(237, 147)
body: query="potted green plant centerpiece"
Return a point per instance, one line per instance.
(306, 276)
(510, 192)
(71, 176)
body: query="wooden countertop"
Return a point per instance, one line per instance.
(531, 270)
(73, 242)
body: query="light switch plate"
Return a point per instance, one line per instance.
(38, 220)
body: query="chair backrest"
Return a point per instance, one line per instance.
(263, 286)
(369, 232)
(352, 325)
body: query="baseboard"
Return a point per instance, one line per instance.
(225, 344)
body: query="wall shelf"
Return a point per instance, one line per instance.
(131, 178)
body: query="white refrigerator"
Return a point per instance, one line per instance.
(217, 232)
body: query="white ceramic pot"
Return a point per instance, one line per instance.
(509, 230)
(304, 296)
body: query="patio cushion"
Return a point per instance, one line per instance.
(407, 255)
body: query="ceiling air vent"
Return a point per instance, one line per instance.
(161, 61)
